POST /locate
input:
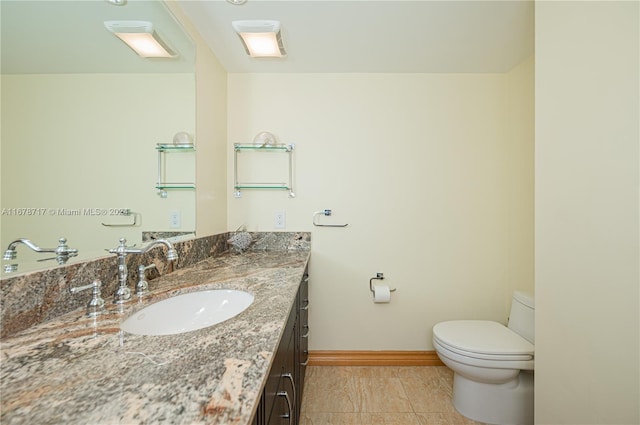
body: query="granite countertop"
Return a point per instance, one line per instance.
(79, 370)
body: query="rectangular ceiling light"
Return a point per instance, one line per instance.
(141, 37)
(261, 38)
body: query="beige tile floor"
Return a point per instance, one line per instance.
(379, 395)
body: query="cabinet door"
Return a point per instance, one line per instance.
(279, 390)
(284, 406)
(272, 387)
(289, 383)
(280, 413)
(282, 396)
(258, 418)
(302, 350)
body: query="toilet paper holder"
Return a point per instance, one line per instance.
(378, 276)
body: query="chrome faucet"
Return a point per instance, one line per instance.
(62, 251)
(123, 293)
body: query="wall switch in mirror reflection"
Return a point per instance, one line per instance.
(175, 219)
(280, 220)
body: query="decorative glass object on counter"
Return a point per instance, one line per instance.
(241, 240)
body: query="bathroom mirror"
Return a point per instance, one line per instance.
(82, 115)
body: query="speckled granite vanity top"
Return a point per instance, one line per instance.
(78, 370)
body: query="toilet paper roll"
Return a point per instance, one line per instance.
(381, 294)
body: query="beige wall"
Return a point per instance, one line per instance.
(86, 141)
(587, 213)
(421, 166)
(211, 134)
(520, 149)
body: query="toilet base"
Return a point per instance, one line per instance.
(510, 403)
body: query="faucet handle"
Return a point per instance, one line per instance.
(120, 249)
(10, 254)
(123, 249)
(95, 307)
(142, 287)
(63, 252)
(63, 248)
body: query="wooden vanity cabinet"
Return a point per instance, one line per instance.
(282, 395)
(302, 339)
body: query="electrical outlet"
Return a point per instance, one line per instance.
(280, 220)
(175, 219)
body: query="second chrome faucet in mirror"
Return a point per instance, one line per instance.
(62, 251)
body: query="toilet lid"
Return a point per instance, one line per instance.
(482, 337)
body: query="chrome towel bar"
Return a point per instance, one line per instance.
(325, 213)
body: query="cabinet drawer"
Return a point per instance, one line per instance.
(282, 393)
(282, 365)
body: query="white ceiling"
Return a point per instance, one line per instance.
(68, 36)
(391, 36)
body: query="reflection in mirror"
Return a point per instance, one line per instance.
(82, 115)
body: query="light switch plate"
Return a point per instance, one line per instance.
(280, 220)
(175, 219)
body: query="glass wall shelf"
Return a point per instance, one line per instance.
(257, 146)
(161, 185)
(284, 148)
(176, 186)
(168, 147)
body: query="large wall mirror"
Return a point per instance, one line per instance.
(82, 115)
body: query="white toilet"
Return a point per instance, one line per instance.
(492, 364)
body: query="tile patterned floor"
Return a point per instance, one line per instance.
(379, 395)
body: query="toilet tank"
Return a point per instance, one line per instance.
(522, 316)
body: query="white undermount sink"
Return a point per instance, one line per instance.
(187, 312)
